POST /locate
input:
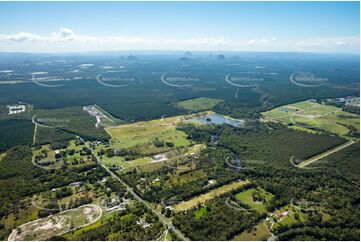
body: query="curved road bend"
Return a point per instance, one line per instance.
(165, 221)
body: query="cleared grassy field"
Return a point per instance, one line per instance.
(258, 233)
(142, 133)
(209, 195)
(190, 176)
(74, 235)
(141, 138)
(45, 228)
(290, 219)
(148, 164)
(301, 105)
(119, 161)
(294, 215)
(199, 104)
(149, 167)
(247, 198)
(200, 212)
(306, 115)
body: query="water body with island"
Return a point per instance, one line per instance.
(216, 118)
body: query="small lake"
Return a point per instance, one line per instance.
(218, 119)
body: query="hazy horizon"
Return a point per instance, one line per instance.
(59, 27)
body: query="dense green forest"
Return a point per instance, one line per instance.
(344, 163)
(52, 136)
(55, 126)
(15, 132)
(218, 222)
(72, 120)
(150, 98)
(275, 143)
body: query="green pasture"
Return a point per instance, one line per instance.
(247, 198)
(199, 104)
(309, 114)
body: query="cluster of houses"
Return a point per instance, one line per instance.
(278, 216)
(114, 204)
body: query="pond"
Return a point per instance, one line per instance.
(216, 118)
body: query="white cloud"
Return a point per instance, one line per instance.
(63, 35)
(21, 37)
(262, 41)
(69, 36)
(252, 41)
(67, 40)
(337, 42)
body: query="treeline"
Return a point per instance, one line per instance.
(352, 109)
(54, 136)
(200, 134)
(15, 132)
(240, 110)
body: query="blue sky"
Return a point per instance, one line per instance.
(244, 26)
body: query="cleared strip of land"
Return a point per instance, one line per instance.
(324, 154)
(209, 195)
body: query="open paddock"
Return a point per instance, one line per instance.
(186, 205)
(310, 116)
